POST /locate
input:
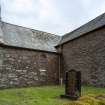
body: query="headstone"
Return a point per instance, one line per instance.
(72, 85)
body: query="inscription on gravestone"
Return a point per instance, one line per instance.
(72, 85)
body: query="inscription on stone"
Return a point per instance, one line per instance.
(72, 85)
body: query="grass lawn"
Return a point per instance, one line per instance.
(41, 95)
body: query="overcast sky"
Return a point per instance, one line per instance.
(54, 16)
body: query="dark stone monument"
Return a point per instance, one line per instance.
(72, 85)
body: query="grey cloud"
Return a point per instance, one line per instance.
(60, 17)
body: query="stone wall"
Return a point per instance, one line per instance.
(21, 67)
(87, 54)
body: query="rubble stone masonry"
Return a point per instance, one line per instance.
(21, 67)
(87, 54)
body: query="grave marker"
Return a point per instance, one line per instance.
(72, 85)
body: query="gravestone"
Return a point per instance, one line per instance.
(72, 85)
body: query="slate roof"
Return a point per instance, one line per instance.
(17, 36)
(88, 27)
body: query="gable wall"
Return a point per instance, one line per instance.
(87, 54)
(20, 68)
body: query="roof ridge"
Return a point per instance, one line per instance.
(28, 28)
(93, 24)
(100, 17)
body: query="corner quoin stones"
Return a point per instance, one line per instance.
(72, 85)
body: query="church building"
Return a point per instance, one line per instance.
(84, 49)
(31, 57)
(27, 57)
